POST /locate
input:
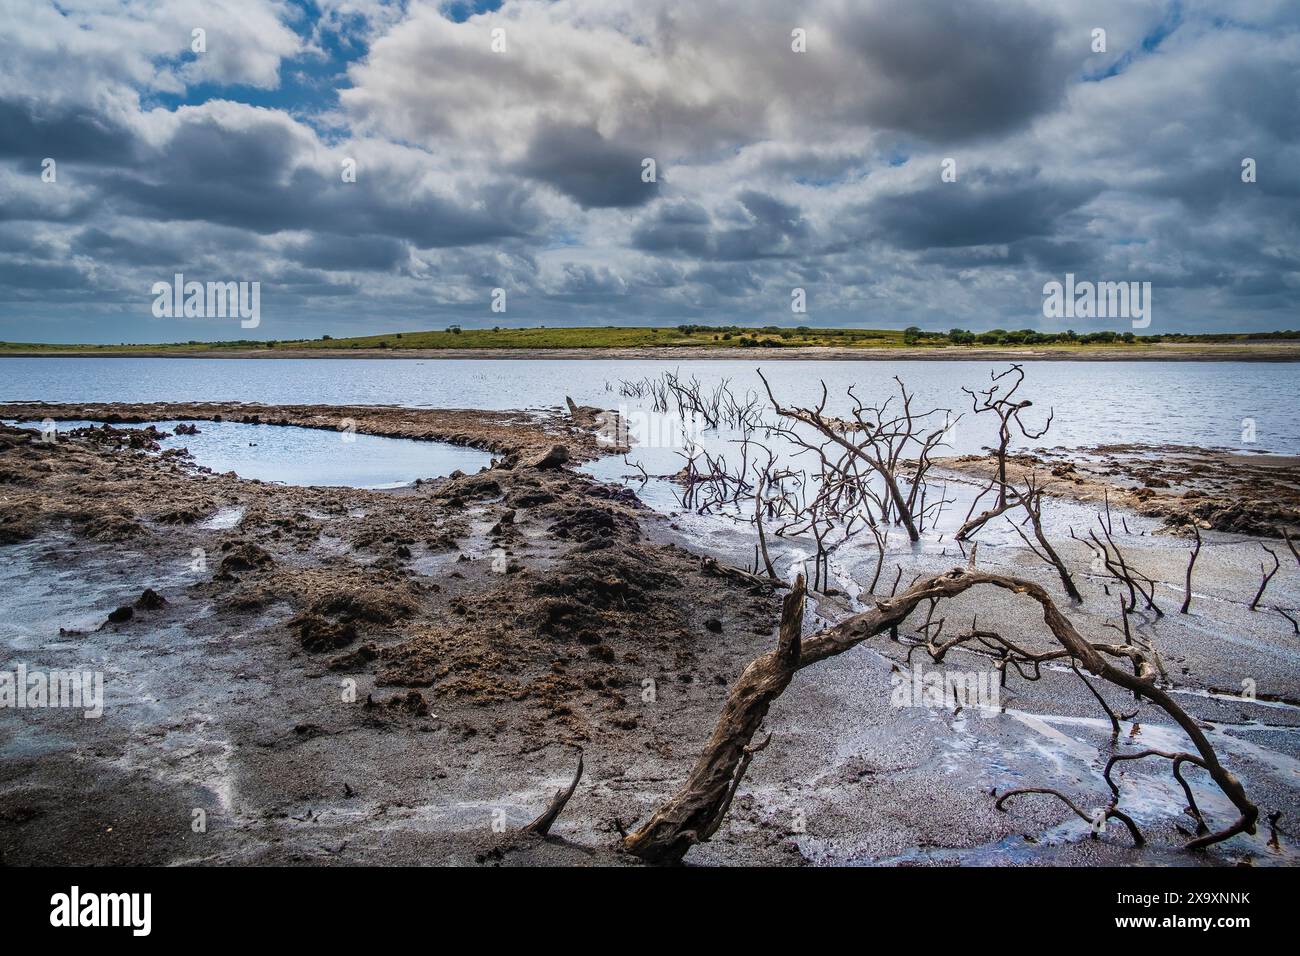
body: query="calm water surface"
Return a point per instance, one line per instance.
(310, 456)
(1193, 403)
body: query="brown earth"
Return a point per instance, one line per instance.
(489, 616)
(1220, 490)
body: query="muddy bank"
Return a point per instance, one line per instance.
(521, 434)
(412, 646)
(1180, 485)
(336, 675)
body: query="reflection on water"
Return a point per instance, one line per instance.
(310, 456)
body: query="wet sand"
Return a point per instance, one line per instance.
(354, 676)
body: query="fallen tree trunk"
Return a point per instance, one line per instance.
(695, 811)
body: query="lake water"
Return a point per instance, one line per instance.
(1190, 403)
(1245, 406)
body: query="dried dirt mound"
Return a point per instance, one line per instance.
(1220, 490)
(240, 556)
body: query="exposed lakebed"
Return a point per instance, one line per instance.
(292, 455)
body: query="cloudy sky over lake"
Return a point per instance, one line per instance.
(523, 169)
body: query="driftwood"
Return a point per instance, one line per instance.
(1268, 576)
(695, 813)
(542, 825)
(1187, 596)
(716, 569)
(696, 809)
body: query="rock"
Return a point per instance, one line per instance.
(557, 456)
(150, 600)
(186, 429)
(121, 615)
(505, 524)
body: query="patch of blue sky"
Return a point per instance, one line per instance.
(1149, 43)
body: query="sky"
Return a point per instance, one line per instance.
(903, 162)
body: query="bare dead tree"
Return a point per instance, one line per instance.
(877, 436)
(1187, 595)
(1119, 568)
(698, 806)
(1007, 409)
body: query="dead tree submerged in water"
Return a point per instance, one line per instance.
(1008, 411)
(879, 439)
(696, 811)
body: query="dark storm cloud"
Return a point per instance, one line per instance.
(65, 132)
(977, 210)
(586, 167)
(126, 250)
(952, 71)
(677, 227)
(42, 277)
(351, 253)
(249, 177)
(766, 227)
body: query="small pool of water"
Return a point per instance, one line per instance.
(291, 455)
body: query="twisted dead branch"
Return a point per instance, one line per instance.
(698, 806)
(1187, 592)
(1268, 576)
(542, 825)
(696, 812)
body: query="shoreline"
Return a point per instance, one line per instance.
(488, 624)
(1172, 352)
